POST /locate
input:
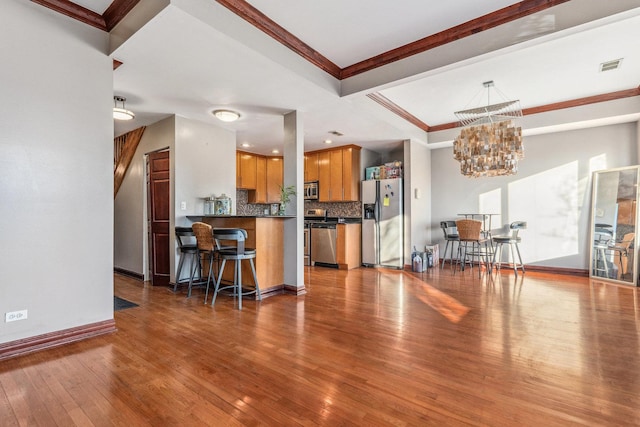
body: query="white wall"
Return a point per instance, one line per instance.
(56, 172)
(417, 161)
(551, 191)
(203, 162)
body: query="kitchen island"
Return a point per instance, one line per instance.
(266, 235)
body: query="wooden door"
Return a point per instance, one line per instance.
(158, 216)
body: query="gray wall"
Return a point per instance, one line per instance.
(551, 191)
(202, 164)
(56, 172)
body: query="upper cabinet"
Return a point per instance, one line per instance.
(311, 166)
(275, 178)
(261, 175)
(246, 172)
(337, 171)
(338, 174)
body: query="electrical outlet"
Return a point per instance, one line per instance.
(15, 315)
(183, 206)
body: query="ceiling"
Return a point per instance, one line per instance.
(196, 56)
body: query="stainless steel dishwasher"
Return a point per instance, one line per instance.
(323, 243)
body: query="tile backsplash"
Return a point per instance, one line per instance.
(334, 209)
(337, 209)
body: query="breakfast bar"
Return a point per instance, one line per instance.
(266, 235)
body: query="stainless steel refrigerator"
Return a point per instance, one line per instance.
(382, 223)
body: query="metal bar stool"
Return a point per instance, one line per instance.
(450, 236)
(237, 254)
(512, 240)
(186, 250)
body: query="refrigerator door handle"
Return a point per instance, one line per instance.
(376, 211)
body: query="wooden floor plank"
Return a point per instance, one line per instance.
(362, 347)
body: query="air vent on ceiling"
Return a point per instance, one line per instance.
(610, 65)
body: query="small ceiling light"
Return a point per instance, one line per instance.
(275, 151)
(121, 113)
(328, 141)
(245, 145)
(226, 115)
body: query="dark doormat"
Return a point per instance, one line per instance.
(121, 304)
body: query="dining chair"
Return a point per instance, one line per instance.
(206, 247)
(469, 231)
(236, 253)
(512, 240)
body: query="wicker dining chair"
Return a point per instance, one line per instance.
(206, 246)
(469, 231)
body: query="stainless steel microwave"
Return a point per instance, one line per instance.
(311, 190)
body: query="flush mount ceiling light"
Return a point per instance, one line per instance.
(121, 113)
(226, 115)
(490, 144)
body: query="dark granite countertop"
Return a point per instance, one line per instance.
(196, 217)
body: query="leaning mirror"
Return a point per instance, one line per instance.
(613, 225)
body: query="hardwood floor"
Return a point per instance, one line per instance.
(362, 347)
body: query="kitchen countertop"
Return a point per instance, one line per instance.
(195, 217)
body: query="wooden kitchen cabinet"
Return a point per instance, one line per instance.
(339, 174)
(275, 178)
(310, 167)
(348, 246)
(260, 195)
(268, 177)
(324, 176)
(351, 174)
(246, 170)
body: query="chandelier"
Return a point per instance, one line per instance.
(490, 144)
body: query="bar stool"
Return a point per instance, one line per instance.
(237, 254)
(206, 247)
(450, 235)
(469, 231)
(512, 240)
(186, 250)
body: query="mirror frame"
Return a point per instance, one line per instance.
(597, 175)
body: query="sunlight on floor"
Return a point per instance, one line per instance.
(447, 306)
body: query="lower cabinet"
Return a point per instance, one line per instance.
(348, 246)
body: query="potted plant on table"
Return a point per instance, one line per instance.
(285, 197)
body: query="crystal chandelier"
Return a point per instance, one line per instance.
(490, 144)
